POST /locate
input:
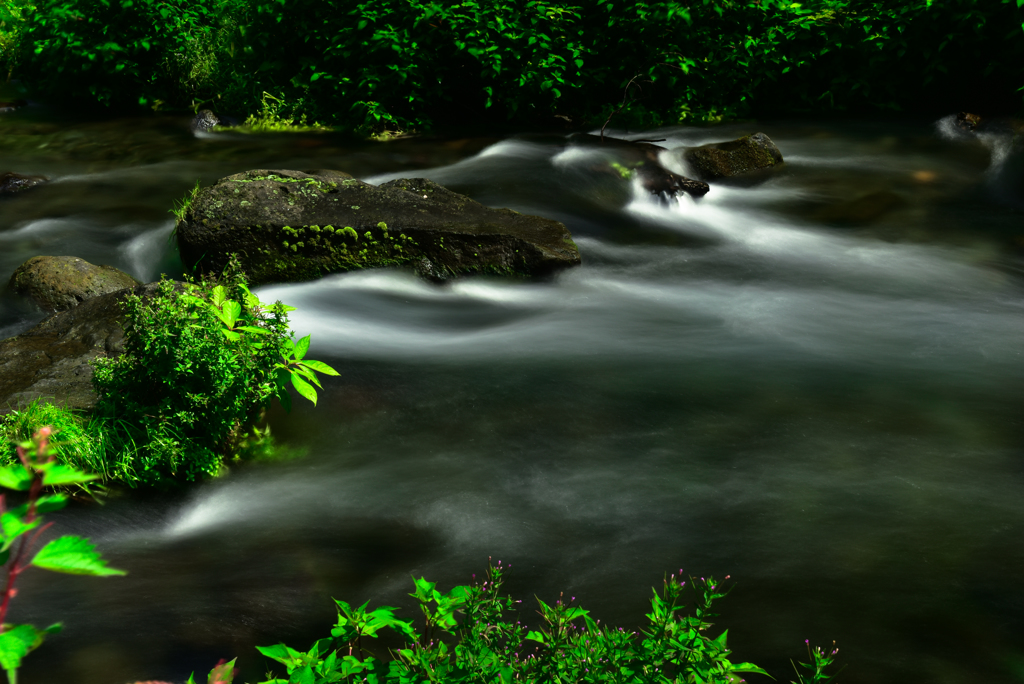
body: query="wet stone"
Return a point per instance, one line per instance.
(11, 183)
(733, 158)
(58, 283)
(288, 226)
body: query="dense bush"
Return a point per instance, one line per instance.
(201, 362)
(402, 63)
(180, 391)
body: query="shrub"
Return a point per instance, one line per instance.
(472, 634)
(200, 364)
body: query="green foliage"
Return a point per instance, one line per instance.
(37, 468)
(12, 29)
(74, 439)
(201, 363)
(275, 115)
(411, 64)
(181, 206)
(488, 643)
(815, 670)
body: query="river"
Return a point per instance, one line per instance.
(812, 384)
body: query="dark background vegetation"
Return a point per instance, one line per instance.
(405, 64)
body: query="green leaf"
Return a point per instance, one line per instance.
(75, 556)
(15, 644)
(278, 652)
(320, 367)
(304, 388)
(14, 526)
(747, 667)
(58, 474)
(218, 295)
(229, 312)
(301, 347)
(15, 477)
(304, 675)
(306, 373)
(50, 503)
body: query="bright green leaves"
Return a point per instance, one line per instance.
(13, 525)
(300, 348)
(74, 556)
(17, 641)
(38, 468)
(15, 644)
(319, 665)
(15, 477)
(293, 368)
(355, 623)
(201, 361)
(472, 634)
(300, 371)
(229, 313)
(56, 474)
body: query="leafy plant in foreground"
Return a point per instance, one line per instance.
(20, 530)
(488, 644)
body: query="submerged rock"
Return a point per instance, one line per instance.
(733, 158)
(862, 210)
(11, 183)
(58, 283)
(52, 360)
(289, 226)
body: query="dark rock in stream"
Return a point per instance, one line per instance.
(288, 226)
(643, 159)
(11, 183)
(51, 360)
(204, 120)
(734, 158)
(11, 105)
(58, 283)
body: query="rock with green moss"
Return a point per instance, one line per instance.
(58, 283)
(288, 226)
(734, 158)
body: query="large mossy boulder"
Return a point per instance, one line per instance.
(734, 158)
(51, 361)
(58, 283)
(288, 226)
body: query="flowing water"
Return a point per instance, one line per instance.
(812, 384)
